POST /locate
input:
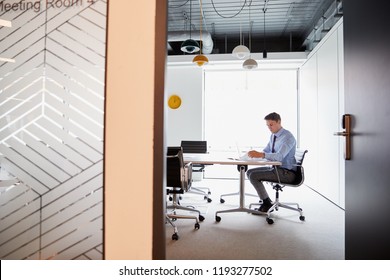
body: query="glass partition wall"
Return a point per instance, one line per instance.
(51, 132)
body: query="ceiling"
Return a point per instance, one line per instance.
(290, 25)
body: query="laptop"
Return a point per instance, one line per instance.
(240, 155)
(244, 156)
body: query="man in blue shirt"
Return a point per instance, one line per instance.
(281, 147)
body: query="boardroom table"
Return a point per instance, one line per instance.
(242, 166)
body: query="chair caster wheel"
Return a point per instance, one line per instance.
(302, 218)
(209, 192)
(209, 200)
(201, 218)
(197, 226)
(175, 236)
(218, 218)
(269, 221)
(222, 200)
(170, 198)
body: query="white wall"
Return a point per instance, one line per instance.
(321, 109)
(308, 116)
(184, 123)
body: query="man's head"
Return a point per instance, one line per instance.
(273, 122)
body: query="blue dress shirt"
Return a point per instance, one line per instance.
(284, 147)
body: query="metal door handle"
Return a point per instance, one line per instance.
(347, 133)
(341, 133)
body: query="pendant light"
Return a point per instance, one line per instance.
(241, 51)
(189, 45)
(200, 59)
(250, 63)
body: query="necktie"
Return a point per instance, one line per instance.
(273, 144)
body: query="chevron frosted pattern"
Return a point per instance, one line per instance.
(51, 130)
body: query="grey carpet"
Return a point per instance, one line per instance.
(241, 236)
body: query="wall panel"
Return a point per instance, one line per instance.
(321, 110)
(309, 118)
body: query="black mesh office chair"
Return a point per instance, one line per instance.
(179, 180)
(278, 187)
(197, 147)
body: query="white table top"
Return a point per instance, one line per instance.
(224, 158)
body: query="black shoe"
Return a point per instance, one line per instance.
(257, 210)
(265, 207)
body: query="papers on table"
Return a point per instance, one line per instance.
(245, 157)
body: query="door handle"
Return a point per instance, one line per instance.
(346, 124)
(341, 133)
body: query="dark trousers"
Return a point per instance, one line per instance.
(257, 175)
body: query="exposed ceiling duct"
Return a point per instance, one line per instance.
(328, 19)
(180, 36)
(289, 22)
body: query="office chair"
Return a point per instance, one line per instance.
(197, 147)
(278, 187)
(179, 180)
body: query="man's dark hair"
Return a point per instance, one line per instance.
(272, 117)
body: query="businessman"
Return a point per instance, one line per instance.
(281, 147)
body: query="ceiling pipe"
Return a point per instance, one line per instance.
(329, 18)
(179, 36)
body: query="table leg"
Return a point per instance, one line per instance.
(241, 207)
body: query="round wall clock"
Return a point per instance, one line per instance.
(174, 101)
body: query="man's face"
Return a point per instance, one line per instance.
(273, 126)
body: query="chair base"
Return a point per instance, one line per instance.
(172, 215)
(175, 235)
(175, 207)
(201, 191)
(275, 207)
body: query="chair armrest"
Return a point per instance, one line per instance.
(187, 176)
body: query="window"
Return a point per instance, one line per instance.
(236, 102)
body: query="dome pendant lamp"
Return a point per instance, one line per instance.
(241, 51)
(250, 63)
(200, 59)
(190, 45)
